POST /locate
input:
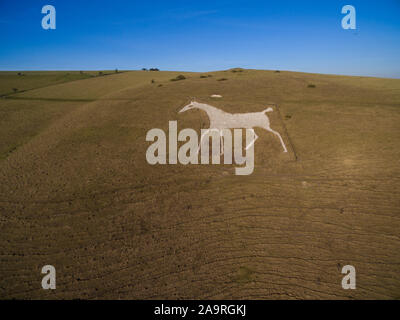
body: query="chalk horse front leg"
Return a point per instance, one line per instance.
(221, 136)
(201, 139)
(206, 133)
(251, 143)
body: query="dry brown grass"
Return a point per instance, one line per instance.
(18, 81)
(78, 193)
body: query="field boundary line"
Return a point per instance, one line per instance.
(9, 94)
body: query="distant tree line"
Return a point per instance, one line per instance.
(151, 69)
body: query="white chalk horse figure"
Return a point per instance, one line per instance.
(223, 120)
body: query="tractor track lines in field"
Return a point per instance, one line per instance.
(193, 226)
(279, 178)
(202, 277)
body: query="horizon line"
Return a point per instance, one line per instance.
(222, 70)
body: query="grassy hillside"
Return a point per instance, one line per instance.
(24, 115)
(18, 81)
(77, 191)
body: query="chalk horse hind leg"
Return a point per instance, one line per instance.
(206, 133)
(278, 135)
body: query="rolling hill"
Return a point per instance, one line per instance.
(78, 193)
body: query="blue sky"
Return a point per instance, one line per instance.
(202, 36)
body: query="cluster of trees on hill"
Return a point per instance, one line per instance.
(151, 69)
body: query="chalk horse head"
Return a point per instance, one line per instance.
(191, 105)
